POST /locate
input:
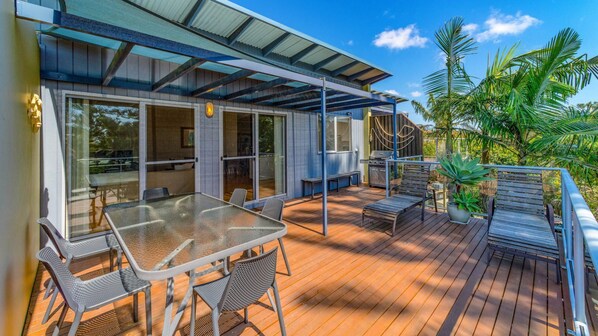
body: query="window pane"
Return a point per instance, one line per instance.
(330, 147)
(102, 145)
(272, 155)
(343, 134)
(170, 133)
(238, 134)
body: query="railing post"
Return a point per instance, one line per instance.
(387, 178)
(579, 281)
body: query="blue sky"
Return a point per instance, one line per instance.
(399, 35)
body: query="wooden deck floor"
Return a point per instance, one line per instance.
(431, 278)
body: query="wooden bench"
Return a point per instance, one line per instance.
(313, 181)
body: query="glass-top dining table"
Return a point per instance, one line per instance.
(166, 237)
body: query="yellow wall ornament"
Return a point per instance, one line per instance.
(209, 109)
(34, 112)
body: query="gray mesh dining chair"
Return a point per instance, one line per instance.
(273, 209)
(154, 193)
(70, 251)
(248, 282)
(238, 197)
(82, 296)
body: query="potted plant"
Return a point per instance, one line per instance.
(462, 172)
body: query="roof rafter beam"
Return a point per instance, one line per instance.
(298, 56)
(281, 94)
(192, 15)
(179, 72)
(240, 30)
(362, 103)
(317, 103)
(375, 79)
(270, 47)
(344, 68)
(326, 61)
(359, 74)
(307, 97)
(119, 58)
(260, 87)
(222, 82)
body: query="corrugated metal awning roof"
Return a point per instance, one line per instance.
(245, 31)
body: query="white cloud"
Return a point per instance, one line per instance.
(350, 42)
(499, 24)
(413, 85)
(416, 94)
(393, 92)
(401, 38)
(470, 28)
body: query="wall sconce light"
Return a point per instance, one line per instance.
(34, 112)
(209, 109)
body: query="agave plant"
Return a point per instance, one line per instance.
(466, 201)
(462, 171)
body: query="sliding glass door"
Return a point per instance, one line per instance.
(102, 160)
(255, 163)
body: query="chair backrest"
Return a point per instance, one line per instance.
(250, 279)
(415, 179)
(61, 275)
(238, 197)
(273, 208)
(153, 193)
(57, 239)
(520, 190)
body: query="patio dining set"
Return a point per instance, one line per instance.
(165, 236)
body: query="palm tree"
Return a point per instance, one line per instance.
(522, 102)
(447, 87)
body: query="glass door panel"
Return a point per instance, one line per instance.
(102, 155)
(272, 149)
(170, 148)
(238, 153)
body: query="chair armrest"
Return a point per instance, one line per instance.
(490, 209)
(550, 216)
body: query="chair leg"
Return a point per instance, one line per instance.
(284, 256)
(61, 320)
(148, 312)
(75, 324)
(136, 307)
(215, 327)
(119, 259)
(272, 302)
(193, 314)
(50, 305)
(423, 210)
(111, 260)
(394, 226)
(283, 330)
(49, 288)
(246, 315)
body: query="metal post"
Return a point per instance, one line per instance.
(324, 172)
(579, 280)
(387, 179)
(394, 131)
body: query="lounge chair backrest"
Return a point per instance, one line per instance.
(415, 179)
(62, 277)
(520, 190)
(250, 279)
(273, 208)
(154, 193)
(57, 239)
(238, 197)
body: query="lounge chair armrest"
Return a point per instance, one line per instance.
(550, 215)
(490, 209)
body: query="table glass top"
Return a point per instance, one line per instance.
(186, 231)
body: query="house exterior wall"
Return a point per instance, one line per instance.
(73, 58)
(19, 169)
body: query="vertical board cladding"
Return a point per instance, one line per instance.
(410, 136)
(302, 158)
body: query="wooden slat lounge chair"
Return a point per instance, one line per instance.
(518, 221)
(412, 191)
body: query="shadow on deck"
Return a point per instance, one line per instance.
(431, 278)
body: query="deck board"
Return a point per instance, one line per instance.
(430, 278)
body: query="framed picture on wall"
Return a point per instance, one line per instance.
(187, 137)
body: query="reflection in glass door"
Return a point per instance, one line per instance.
(257, 164)
(170, 148)
(238, 153)
(271, 155)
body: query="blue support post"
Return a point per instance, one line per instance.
(324, 172)
(394, 131)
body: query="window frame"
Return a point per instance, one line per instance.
(335, 123)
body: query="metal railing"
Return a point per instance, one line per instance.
(579, 237)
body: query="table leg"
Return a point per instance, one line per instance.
(171, 322)
(312, 190)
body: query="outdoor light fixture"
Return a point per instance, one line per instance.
(34, 112)
(209, 109)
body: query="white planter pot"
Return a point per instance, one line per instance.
(457, 215)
